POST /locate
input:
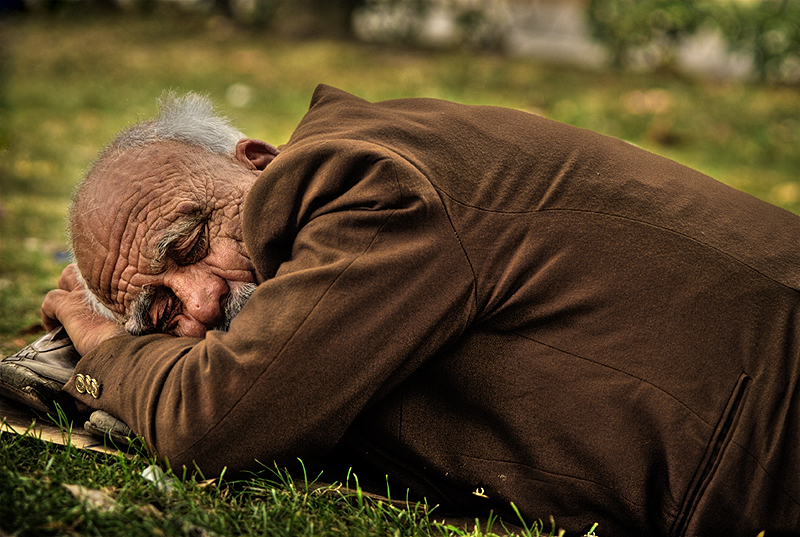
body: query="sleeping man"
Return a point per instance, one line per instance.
(485, 305)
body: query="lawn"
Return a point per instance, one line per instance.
(47, 489)
(69, 82)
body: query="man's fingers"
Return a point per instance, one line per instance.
(108, 423)
(106, 426)
(69, 280)
(54, 300)
(85, 328)
(50, 307)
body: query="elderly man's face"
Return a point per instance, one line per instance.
(161, 241)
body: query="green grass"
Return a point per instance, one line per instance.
(47, 489)
(69, 82)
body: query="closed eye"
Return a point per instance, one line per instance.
(191, 248)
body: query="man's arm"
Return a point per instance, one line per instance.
(369, 281)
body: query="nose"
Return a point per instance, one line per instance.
(201, 292)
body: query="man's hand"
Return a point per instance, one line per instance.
(103, 425)
(68, 306)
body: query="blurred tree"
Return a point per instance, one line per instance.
(625, 25)
(769, 31)
(476, 24)
(11, 6)
(222, 7)
(306, 18)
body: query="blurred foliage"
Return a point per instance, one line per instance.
(290, 18)
(405, 21)
(71, 79)
(407, 18)
(767, 30)
(623, 25)
(302, 18)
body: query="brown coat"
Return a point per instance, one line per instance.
(476, 299)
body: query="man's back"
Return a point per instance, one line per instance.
(624, 318)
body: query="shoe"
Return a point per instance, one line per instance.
(35, 375)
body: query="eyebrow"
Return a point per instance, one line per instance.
(175, 232)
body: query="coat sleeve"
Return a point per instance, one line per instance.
(363, 280)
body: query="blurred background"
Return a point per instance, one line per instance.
(714, 85)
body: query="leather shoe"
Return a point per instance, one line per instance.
(35, 375)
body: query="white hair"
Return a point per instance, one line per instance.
(189, 119)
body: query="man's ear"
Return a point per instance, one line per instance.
(254, 154)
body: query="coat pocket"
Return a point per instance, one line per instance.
(720, 439)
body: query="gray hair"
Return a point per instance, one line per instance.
(189, 119)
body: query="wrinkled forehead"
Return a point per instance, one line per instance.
(131, 199)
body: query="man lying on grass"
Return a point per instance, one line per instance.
(485, 305)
